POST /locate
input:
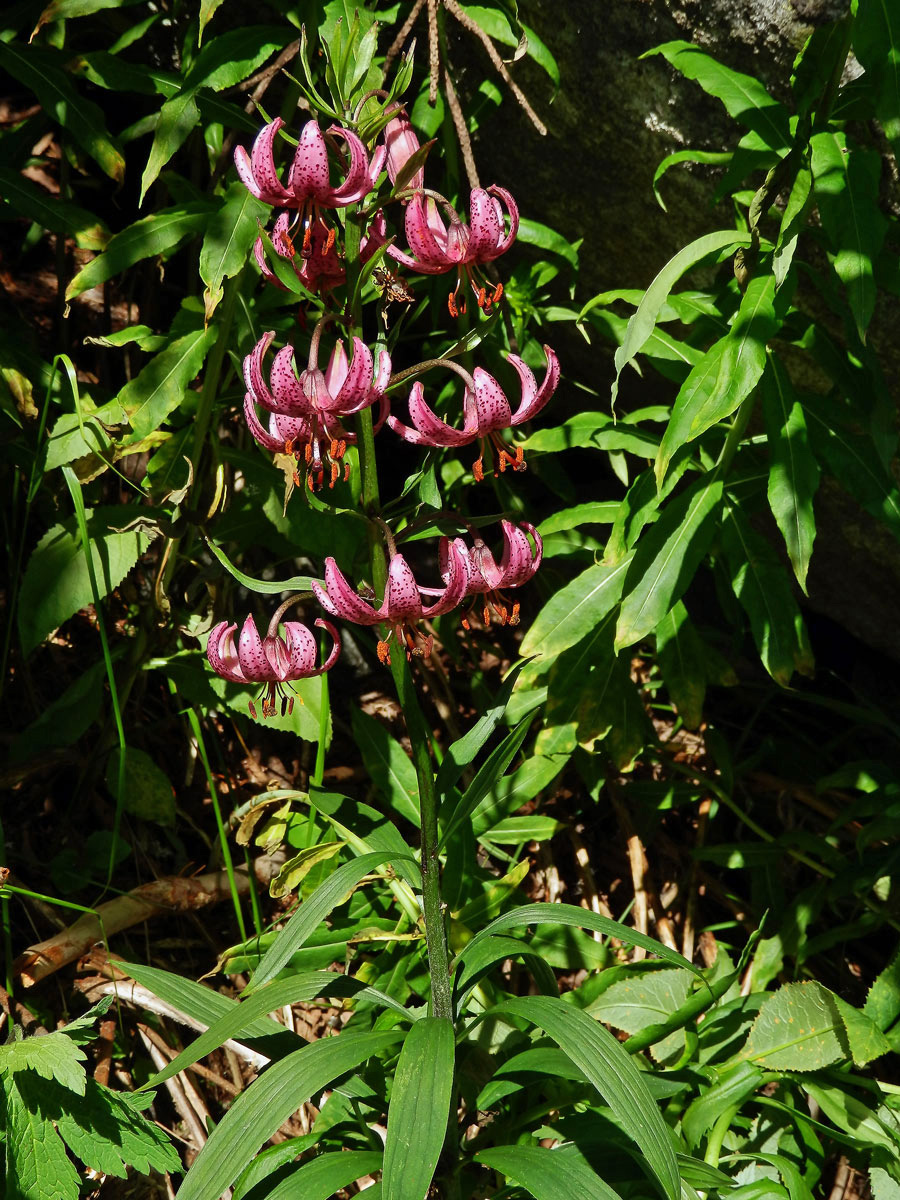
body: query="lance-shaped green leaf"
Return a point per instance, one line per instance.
(793, 470)
(745, 98)
(575, 610)
(267, 1104)
(228, 242)
(159, 234)
(388, 764)
(487, 777)
(264, 587)
(643, 321)
(792, 224)
(853, 459)
(612, 1071)
(231, 57)
(461, 752)
(733, 1087)
(763, 588)
(41, 72)
(26, 199)
(312, 911)
(726, 375)
(876, 43)
(847, 180)
(325, 1176)
(177, 118)
(419, 1109)
(681, 655)
(666, 559)
(547, 1174)
(160, 387)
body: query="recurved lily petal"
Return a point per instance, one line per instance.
(491, 406)
(485, 576)
(457, 579)
(533, 397)
(429, 429)
(338, 597)
(302, 650)
(282, 430)
(505, 240)
(402, 601)
(257, 170)
(221, 652)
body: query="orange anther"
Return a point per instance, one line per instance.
(335, 472)
(384, 653)
(307, 453)
(252, 708)
(498, 292)
(295, 476)
(514, 619)
(306, 252)
(483, 301)
(478, 469)
(487, 615)
(451, 305)
(329, 241)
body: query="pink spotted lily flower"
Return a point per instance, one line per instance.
(438, 246)
(274, 661)
(309, 188)
(485, 576)
(402, 606)
(307, 411)
(486, 411)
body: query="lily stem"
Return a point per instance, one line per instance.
(441, 1003)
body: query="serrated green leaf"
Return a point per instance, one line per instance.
(793, 470)
(229, 239)
(26, 199)
(575, 610)
(37, 1167)
(107, 1132)
(388, 764)
(726, 375)
(159, 388)
(40, 71)
(883, 1001)
(269, 1101)
(667, 558)
(73, 436)
(547, 1174)
(646, 997)
(612, 1072)
(419, 1109)
(56, 584)
(157, 234)
(798, 1028)
(865, 1039)
(49, 1055)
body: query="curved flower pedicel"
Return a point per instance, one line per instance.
(440, 246)
(486, 411)
(273, 660)
(402, 606)
(485, 576)
(307, 410)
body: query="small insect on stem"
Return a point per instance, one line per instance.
(393, 288)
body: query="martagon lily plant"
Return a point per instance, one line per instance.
(338, 205)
